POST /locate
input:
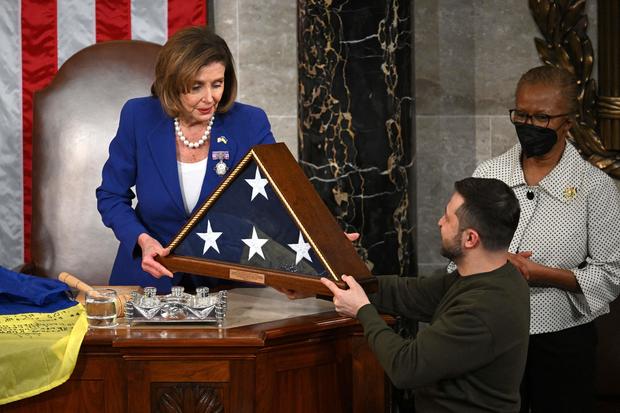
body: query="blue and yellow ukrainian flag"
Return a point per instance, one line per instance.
(41, 330)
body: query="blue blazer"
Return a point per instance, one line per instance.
(143, 153)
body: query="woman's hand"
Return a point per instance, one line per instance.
(538, 275)
(533, 272)
(522, 262)
(150, 249)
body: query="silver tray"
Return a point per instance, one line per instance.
(176, 307)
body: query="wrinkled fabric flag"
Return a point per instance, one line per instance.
(41, 331)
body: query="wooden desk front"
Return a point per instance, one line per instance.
(305, 363)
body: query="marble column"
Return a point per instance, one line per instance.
(355, 121)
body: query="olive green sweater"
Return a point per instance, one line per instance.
(471, 356)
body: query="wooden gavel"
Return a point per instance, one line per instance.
(74, 282)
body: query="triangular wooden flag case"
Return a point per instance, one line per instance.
(266, 224)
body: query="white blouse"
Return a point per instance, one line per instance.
(572, 221)
(191, 176)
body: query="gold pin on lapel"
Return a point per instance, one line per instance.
(570, 192)
(222, 139)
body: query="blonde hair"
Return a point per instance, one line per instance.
(178, 64)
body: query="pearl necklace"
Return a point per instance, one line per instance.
(192, 145)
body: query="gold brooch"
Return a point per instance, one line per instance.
(570, 192)
(222, 139)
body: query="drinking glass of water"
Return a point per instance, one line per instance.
(101, 307)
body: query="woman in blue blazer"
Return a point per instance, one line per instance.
(174, 147)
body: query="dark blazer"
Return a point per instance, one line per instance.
(143, 153)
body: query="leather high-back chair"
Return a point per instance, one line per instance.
(75, 118)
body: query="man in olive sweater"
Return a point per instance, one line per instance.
(471, 356)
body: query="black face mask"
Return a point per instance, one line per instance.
(535, 140)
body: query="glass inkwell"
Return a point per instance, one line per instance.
(178, 306)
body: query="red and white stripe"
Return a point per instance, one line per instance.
(37, 37)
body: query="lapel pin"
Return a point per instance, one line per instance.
(220, 168)
(569, 193)
(222, 139)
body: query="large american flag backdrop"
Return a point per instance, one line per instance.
(36, 38)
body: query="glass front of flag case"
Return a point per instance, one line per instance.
(265, 224)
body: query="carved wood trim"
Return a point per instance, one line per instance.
(608, 15)
(565, 44)
(186, 398)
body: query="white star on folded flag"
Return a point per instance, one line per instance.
(301, 249)
(210, 238)
(255, 244)
(258, 185)
(261, 233)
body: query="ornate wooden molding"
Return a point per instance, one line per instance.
(608, 16)
(187, 398)
(565, 44)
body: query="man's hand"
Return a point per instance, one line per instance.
(150, 249)
(347, 302)
(296, 295)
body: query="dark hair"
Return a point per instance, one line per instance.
(180, 60)
(490, 208)
(561, 79)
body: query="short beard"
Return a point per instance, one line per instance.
(454, 251)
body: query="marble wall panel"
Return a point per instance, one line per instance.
(225, 22)
(504, 37)
(503, 135)
(262, 37)
(445, 53)
(355, 120)
(469, 55)
(445, 153)
(285, 130)
(483, 138)
(267, 54)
